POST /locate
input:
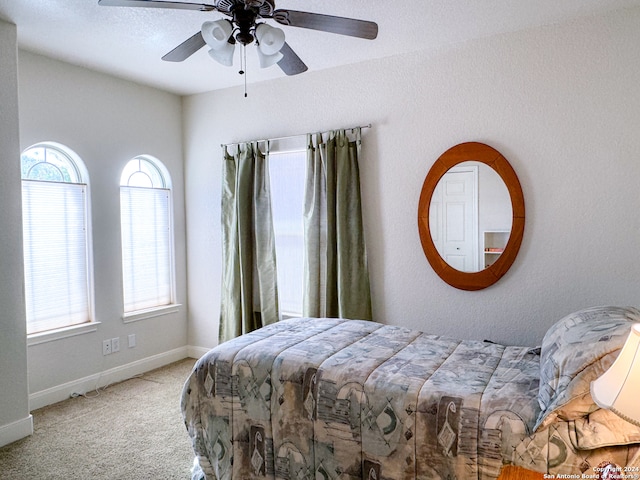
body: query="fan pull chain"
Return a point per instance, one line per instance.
(243, 67)
(244, 54)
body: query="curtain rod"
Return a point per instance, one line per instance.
(288, 136)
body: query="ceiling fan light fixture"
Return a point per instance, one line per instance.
(270, 39)
(224, 56)
(268, 60)
(243, 27)
(216, 34)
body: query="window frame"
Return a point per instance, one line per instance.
(81, 175)
(164, 178)
(290, 146)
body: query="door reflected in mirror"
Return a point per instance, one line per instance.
(470, 216)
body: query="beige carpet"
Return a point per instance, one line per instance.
(131, 430)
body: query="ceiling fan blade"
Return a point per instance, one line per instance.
(185, 49)
(203, 7)
(327, 23)
(291, 63)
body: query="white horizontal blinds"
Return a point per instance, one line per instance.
(55, 254)
(146, 247)
(287, 173)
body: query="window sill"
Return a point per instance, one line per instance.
(130, 317)
(53, 335)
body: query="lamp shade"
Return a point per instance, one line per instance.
(270, 39)
(618, 389)
(268, 60)
(223, 56)
(216, 34)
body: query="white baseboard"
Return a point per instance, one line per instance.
(82, 385)
(196, 352)
(16, 430)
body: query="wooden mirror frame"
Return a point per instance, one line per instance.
(479, 152)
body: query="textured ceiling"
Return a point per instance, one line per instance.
(129, 42)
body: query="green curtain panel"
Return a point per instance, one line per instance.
(336, 278)
(249, 289)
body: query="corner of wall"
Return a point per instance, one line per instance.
(15, 421)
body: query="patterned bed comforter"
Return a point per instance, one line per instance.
(349, 399)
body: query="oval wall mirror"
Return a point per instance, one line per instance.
(471, 216)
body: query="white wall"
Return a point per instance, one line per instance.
(106, 121)
(15, 421)
(562, 103)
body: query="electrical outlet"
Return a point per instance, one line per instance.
(132, 340)
(106, 347)
(115, 345)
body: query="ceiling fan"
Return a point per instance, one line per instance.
(244, 27)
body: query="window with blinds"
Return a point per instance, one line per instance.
(55, 238)
(147, 235)
(287, 170)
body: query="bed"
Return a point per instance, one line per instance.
(348, 399)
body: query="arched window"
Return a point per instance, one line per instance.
(147, 235)
(55, 208)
